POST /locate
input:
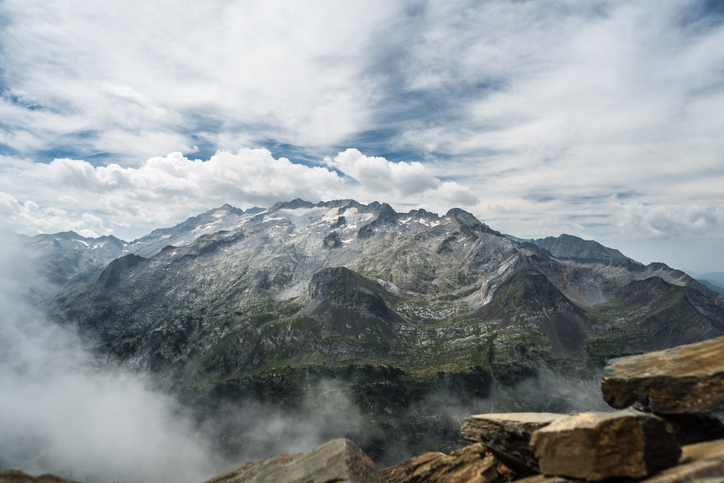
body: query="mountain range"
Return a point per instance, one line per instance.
(231, 293)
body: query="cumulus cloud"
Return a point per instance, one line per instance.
(401, 181)
(71, 194)
(457, 194)
(30, 218)
(68, 193)
(381, 176)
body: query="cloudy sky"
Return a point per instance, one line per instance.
(602, 119)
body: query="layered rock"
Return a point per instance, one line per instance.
(547, 479)
(339, 460)
(507, 436)
(684, 379)
(471, 464)
(595, 446)
(16, 476)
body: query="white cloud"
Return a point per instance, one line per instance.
(456, 194)
(381, 176)
(156, 192)
(30, 218)
(573, 102)
(546, 108)
(292, 72)
(70, 194)
(659, 221)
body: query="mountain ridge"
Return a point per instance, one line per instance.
(447, 283)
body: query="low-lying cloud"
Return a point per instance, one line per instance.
(61, 412)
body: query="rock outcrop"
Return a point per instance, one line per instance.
(674, 392)
(16, 476)
(594, 446)
(472, 464)
(339, 461)
(507, 436)
(684, 379)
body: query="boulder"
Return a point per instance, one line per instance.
(699, 462)
(467, 465)
(339, 460)
(595, 446)
(507, 436)
(685, 379)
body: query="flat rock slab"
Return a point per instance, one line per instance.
(701, 462)
(594, 446)
(471, 464)
(685, 379)
(507, 436)
(339, 461)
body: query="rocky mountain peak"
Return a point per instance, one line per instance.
(292, 205)
(230, 209)
(569, 246)
(468, 223)
(387, 215)
(353, 282)
(118, 268)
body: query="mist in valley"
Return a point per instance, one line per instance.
(63, 413)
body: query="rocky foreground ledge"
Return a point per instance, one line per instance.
(664, 431)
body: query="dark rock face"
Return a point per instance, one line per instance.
(292, 205)
(332, 241)
(530, 292)
(507, 436)
(347, 302)
(568, 246)
(339, 460)
(112, 275)
(386, 216)
(595, 446)
(685, 379)
(671, 314)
